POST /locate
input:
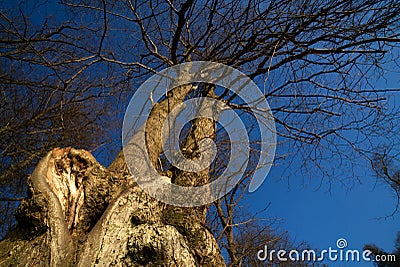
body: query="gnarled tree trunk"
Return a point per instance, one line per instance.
(80, 213)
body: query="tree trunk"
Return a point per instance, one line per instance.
(79, 213)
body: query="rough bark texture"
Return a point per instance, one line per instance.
(79, 213)
(82, 214)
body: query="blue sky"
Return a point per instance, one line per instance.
(320, 215)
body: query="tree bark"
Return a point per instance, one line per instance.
(80, 213)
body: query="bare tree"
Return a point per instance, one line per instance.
(315, 60)
(384, 163)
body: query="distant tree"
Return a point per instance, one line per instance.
(385, 166)
(378, 251)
